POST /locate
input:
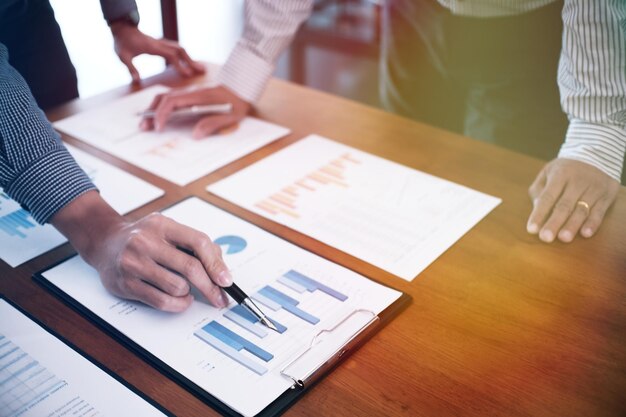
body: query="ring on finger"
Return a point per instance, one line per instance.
(584, 205)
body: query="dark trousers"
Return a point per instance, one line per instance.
(493, 79)
(36, 49)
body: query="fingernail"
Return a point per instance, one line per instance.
(224, 278)
(535, 201)
(566, 236)
(587, 232)
(546, 236)
(532, 228)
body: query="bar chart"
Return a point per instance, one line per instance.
(23, 380)
(241, 347)
(16, 219)
(285, 201)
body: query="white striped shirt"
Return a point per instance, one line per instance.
(592, 70)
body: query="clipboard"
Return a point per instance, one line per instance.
(302, 382)
(301, 371)
(90, 359)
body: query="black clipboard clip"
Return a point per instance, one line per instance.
(329, 346)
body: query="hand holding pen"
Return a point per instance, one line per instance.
(166, 106)
(241, 298)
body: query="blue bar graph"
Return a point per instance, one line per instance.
(24, 381)
(253, 328)
(244, 314)
(287, 303)
(237, 342)
(312, 285)
(230, 352)
(291, 284)
(11, 223)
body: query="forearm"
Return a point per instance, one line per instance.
(35, 168)
(269, 28)
(592, 80)
(86, 222)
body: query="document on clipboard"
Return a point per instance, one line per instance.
(41, 375)
(225, 356)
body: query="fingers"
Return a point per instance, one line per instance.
(579, 215)
(209, 255)
(178, 57)
(197, 67)
(563, 208)
(213, 124)
(569, 197)
(139, 290)
(167, 104)
(544, 198)
(192, 269)
(593, 222)
(147, 123)
(128, 61)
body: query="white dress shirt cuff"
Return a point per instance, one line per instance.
(245, 73)
(600, 145)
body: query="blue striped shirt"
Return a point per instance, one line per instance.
(36, 169)
(591, 77)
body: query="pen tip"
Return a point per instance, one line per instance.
(268, 323)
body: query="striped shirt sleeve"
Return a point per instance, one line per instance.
(268, 29)
(592, 81)
(36, 169)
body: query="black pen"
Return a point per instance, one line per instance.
(242, 298)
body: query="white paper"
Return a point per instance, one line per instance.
(41, 376)
(262, 259)
(171, 154)
(26, 239)
(384, 213)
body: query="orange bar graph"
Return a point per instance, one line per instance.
(350, 158)
(278, 209)
(280, 199)
(285, 200)
(263, 206)
(291, 190)
(333, 172)
(302, 184)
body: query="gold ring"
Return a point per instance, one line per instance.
(584, 205)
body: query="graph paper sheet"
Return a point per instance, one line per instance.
(41, 376)
(22, 238)
(227, 352)
(391, 216)
(171, 154)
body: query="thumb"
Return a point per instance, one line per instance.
(213, 124)
(128, 61)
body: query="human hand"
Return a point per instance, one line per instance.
(569, 196)
(164, 104)
(130, 42)
(140, 260)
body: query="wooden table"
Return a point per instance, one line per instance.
(500, 324)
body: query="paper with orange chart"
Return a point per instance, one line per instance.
(384, 213)
(171, 154)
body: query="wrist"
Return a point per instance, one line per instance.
(88, 222)
(129, 19)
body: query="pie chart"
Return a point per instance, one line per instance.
(231, 244)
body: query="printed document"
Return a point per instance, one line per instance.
(227, 352)
(391, 216)
(171, 154)
(42, 376)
